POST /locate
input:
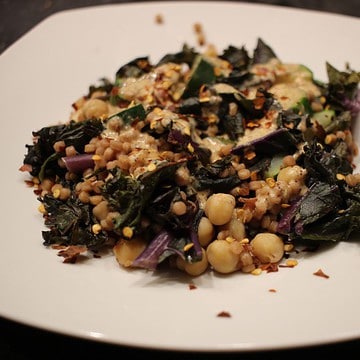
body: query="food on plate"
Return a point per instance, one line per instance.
(203, 161)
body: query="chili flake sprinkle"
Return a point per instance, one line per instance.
(159, 19)
(321, 274)
(225, 314)
(71, 253)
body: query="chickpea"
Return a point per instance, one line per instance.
(221, 257)
(267, 247)
(126, 251)
(95, 108)
(206, 231)
(178, 208)
(182, 176)
(194, 268)
(291, 173)
(246, 262)
(180, 263)
(235, 227)
(219, 208)
(101, 210)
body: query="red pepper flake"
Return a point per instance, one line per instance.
(270, 267)
(224, 314)
(273, 290)
(199, 31)
(71, 253)
(245, 92)
(253, 175)
(58, 247)
(267, 124)
(252, 124)
(249, 155)
(159, 19)
(321, 274)
(259, 101)
(192, 286)
(24, 168)
(261, 71)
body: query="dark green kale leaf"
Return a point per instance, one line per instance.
(330, 208)
(184, 142)
(134, 68)
(191, 105)
(262, 53)
(342, 90)
(41, 155)
(210, 177)
(169, 242)
(240, 61)
(322, 164)
(278, 141)
(232, 125)
(105, 85)
(326, 212)
(321, 202)
(126, 195)
(70, 223)
(321, 199)
(339, 227)
(237, 57)
(131, 196)
(186, 56)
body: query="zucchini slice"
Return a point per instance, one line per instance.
(324, 117)
(135, 112)
(202, 72)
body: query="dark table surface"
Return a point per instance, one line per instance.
(20, 342)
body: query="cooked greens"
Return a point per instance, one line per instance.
(141, 156)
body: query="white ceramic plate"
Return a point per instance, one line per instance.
(49, 68)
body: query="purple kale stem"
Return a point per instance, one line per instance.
(195, 240)
(78, 163)
(148, 259)
(353, 105)
(285, 224)
(264, 141)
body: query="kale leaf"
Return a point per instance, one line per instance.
(342, 90)
(70, 223)
(131, 196)
(42, 156)
(325, 213)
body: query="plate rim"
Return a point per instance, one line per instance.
(152, 4)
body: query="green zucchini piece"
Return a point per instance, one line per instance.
(290, 96)
(136, 112)
(305, 72)
(274, 166)
(202, 72)
(303, 106)
(324, 117)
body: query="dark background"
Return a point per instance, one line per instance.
(21, 342)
